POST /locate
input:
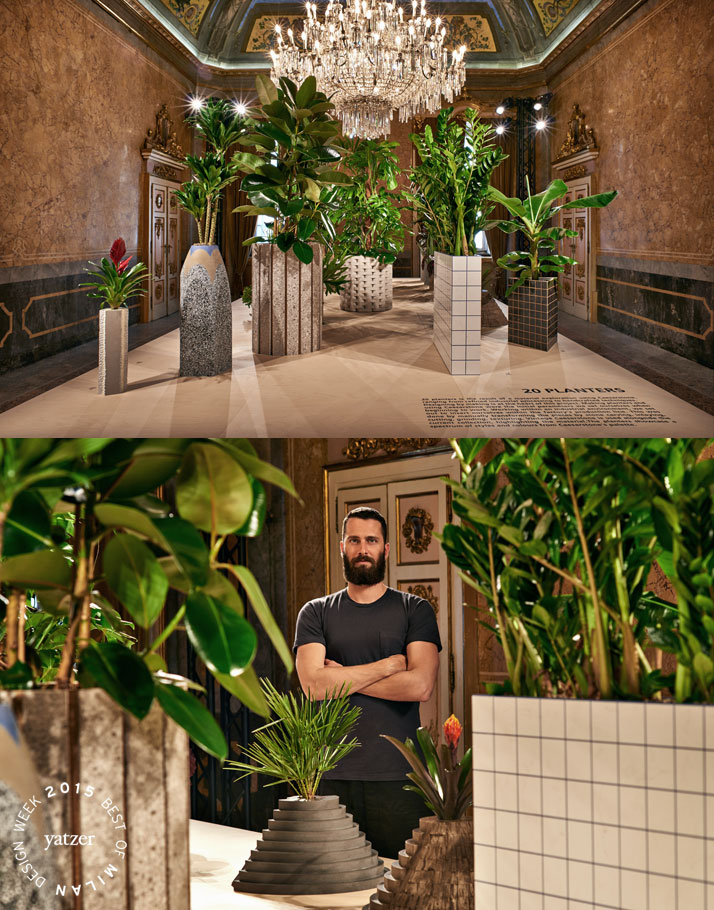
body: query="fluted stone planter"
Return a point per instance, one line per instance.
(206, 315)
(457, 312)
(113, 350)
(369, 286)
(434, 870)
(533, 314)
(310, 847)
(122, 783)
(287, 301)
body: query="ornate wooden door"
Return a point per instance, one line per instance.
(576, 282)
(164, 242)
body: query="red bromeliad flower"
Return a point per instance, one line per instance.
(117, 251)
(452, 731)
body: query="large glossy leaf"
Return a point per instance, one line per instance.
(303, 251)
(263, 470)
(253, 524)
(135, 576)
(121, 673)
(212, 489)
(224, 640)
(306, 92)
(264, 613)
(246, 689)
(266, 89)
(196, 720)
(27, 526)
(44, 569)
(18, 676)
(150, 464)
(186, 545)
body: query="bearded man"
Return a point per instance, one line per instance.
(384, 644)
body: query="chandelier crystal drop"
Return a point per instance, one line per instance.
(371, 60)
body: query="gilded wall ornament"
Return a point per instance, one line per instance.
(427, 593)
(417, 530)
(578, 170)
(579, 137)
(163, 137)
(364, 447)
(168, 173)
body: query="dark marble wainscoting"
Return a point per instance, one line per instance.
(673, 311)
(43, 316)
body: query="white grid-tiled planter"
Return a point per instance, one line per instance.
(593, 804)
(369, 286)
(457, 312)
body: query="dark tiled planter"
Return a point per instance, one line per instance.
(533, 314)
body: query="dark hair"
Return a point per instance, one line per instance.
(365, 513)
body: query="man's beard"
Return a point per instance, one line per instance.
(364, 574)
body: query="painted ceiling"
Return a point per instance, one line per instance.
(498, 33)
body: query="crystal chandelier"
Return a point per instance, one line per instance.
(371, 59)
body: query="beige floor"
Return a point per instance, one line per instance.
(217, 855)
(369, 379)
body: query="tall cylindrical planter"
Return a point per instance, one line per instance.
(369, 286)
(533, 314)
(287, 301)
(434, 870)
(113, 350)
(310, 847)
(206, 314)
(457, 312)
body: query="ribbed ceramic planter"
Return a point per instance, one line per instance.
(434, 870)
(457, 312)
(597, 804)
(113, 350)
(206, 316)
(310, 847)
(369, 286)
(287, 301)
(121, 784)
(533, 314)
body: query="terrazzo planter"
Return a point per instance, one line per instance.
(310, 847)
(287, 301)
(434, 870)
(533, 314)
(593, 804)
(369, 286)
(457, 312)
(113, 350)
(206, 315)
(123, 782)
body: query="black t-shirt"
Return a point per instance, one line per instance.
(355, 633)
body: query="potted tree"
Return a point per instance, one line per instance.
(114, 283)
(370, 231)
(311, 845)
(294, 155)
(450, 202)
(91, 700)
(533, 292)
(206, 316)
(592, 789)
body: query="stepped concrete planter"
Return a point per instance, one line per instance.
(113, 350)
(310, 847)
(369, 286)
(206, 313)
(123, 783)
(287, 301)
(457, 312)
(533, 314)
(434, 870)
(597, 804)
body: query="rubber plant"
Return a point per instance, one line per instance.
(531, 216)
(294, 155)
(442, 780)
(113, 282)
(125, 541)
(560, 537)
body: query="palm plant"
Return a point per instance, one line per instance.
(306, 738)
(114, 283)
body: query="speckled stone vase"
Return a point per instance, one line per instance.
(369, 286)
(113, 350)
(206, 323)
(533, 314)
(310, 847)
(287, 301)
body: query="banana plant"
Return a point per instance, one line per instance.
(531, 217)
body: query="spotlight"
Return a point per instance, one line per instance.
(500, 110)
(500, 129)
(239, 108)
(537, 106)
(195, 104)
(540, 124)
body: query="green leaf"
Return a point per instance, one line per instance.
(220, 588)
(303, 251)
(27, 527)
(155, 662)
(266, 89)
(151, 464)
(135, 577)
(44, 569)
(194, 718)
(186, 545)
(18, 676)
(212, 489)
(224, 640)
(284, 242)
(264, 613)
(246, 689)
(306, 92)
(121, 673)
(253, 524)
(263, 470)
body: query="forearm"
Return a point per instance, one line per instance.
(408, 685)
(325, 680)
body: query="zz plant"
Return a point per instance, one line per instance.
(122, 541)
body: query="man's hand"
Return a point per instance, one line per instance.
(394, 664)
(416, 681)
(320, 676)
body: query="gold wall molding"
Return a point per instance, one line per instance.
(65, 325)
(162, 137)
(578, 171)
(417, 529)
(661, 255)
(579, 138)
(359, 448)
(664, 325)
(10, 316)
(426, 592)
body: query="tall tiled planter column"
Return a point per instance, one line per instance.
(113, 350)
(206, 313)
(369, 286)
(533, 314)
(457, 312)
(287, 301)
(597, 804)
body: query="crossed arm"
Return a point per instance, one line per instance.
(393, 678)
